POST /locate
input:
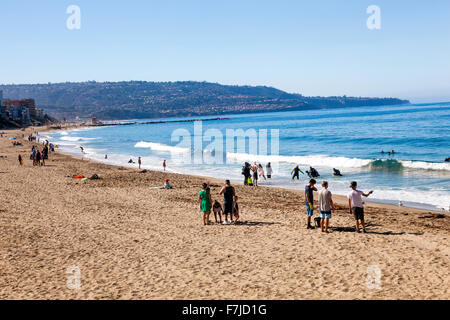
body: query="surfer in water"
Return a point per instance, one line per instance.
(313, 173)
(296, 173)
(447, 160)
(337, 173)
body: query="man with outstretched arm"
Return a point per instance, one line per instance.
(356, 206)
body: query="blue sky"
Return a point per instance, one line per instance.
(318, 47)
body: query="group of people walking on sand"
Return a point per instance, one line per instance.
(39, 156)
(230, 209)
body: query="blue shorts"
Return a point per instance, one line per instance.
(309, 211)
(325, 214)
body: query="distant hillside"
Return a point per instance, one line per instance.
(138, 99)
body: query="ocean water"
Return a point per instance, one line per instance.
(350, 139)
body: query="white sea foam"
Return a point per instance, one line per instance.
(336, 162)
(161, 147)
(75, 139)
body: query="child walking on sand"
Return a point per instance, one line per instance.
(217, 209)
(236, 210)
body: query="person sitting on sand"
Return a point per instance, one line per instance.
(167, 185)
(356, 205)
(236, 210)
(204, 197)
(229, 193)
(217, 209)
(309, 201)
(326, 206)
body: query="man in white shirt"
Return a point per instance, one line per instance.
(326, 206)
(356, 206)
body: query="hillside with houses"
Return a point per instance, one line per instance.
(140, 99)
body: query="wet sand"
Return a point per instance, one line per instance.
(130, 242)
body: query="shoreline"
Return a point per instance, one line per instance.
(134, 243)
(343, 198)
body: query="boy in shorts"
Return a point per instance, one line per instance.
(326, 205)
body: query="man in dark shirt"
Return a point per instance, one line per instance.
(309, 201)
(228, 195)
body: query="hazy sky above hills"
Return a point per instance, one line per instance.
(311, 47)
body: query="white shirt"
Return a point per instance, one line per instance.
(355, 196)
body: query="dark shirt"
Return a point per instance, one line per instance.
(309, 192)
(228, 195)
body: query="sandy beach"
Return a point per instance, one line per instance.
(130, 242)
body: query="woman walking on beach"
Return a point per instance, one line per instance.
(164, 165)
(204, 197)
(139, 162)
(20, 161)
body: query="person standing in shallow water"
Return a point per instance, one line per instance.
(269, 170)
(139, 162)
(204, 197)
(164, 165)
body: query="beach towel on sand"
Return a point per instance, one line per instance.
(80, 176)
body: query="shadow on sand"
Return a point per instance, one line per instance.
(255, 223)
(353, 229)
